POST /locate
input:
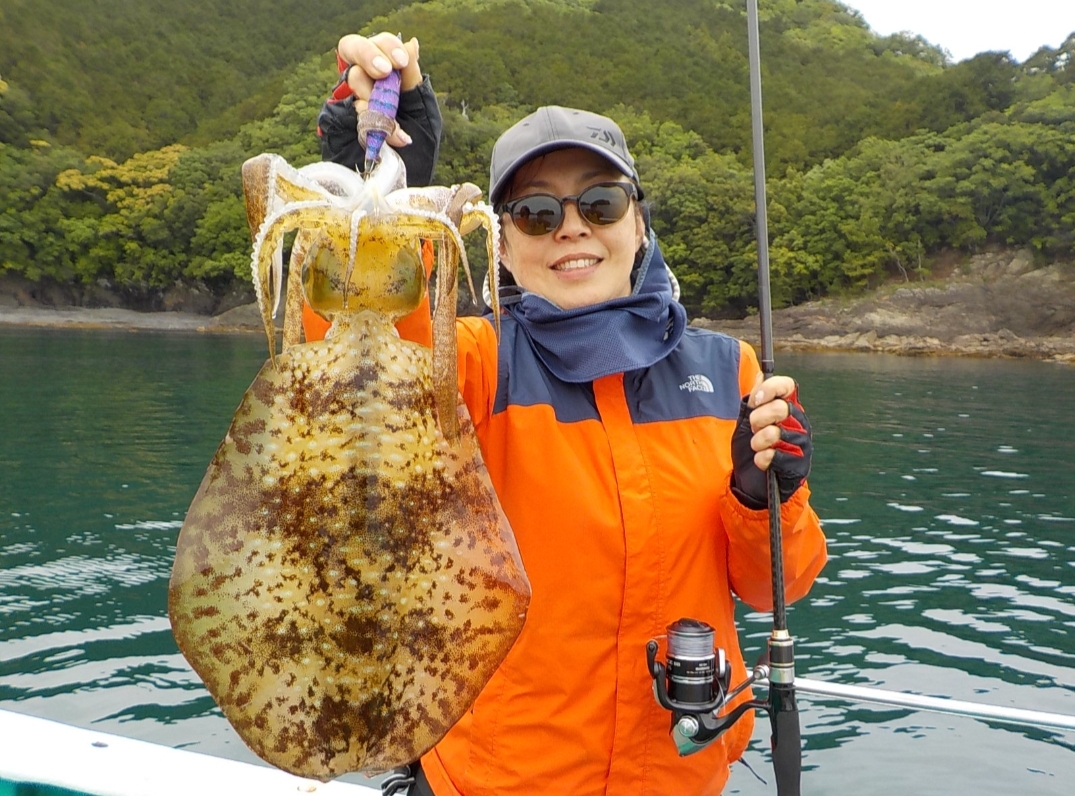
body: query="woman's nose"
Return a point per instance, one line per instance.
(573, 225)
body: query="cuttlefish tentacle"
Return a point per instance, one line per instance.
(462, 197)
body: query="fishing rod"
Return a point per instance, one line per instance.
(694, 683)
(782, 708)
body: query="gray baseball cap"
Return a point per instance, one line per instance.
(551, 128)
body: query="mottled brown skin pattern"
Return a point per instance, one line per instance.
(345, 581)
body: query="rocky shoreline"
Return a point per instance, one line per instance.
(181, 308)
(1004, 344)
(244, 318)
(998, 304)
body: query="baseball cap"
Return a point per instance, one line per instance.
(550, 128)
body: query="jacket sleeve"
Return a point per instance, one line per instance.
(749, 564)
(419, 116)
(478, 354)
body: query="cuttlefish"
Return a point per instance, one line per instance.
(345, 580)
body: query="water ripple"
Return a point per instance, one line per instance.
(72, 577)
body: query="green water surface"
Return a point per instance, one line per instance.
(946, 487)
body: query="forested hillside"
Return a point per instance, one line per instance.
(880, 152)
(116, 77)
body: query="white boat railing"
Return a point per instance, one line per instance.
(953, 707)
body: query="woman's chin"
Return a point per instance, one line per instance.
(571, 293)
(574, 299)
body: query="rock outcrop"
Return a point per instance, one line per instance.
(998, 304)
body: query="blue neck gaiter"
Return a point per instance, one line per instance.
(615, 336)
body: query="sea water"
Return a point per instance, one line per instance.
(945, 486)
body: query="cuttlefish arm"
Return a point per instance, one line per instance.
(438, 227)
(312, 215)
(258, 190)
(300, 250)
(269, 185)
(478, 214)
(439, 204)
(445, 361)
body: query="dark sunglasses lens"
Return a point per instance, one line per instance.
(537, 215)
(599, 204)
(604, 204)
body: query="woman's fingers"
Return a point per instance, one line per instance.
(762, 459)
(377, 55)
(770, 409)
(772, 388)
(374, 57)
(411, 74)
(776, 411)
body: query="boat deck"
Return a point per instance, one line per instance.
(39, 756)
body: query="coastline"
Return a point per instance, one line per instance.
(996, 304)
(246, 320)
(998, 345)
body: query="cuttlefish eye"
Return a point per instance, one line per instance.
(388, 276)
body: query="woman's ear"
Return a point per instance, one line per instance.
(505, 260)
(640, 226)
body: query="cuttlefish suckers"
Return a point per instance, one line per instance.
(345, 580)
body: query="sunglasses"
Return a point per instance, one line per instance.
(541, 213)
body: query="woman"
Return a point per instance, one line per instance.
(628, 461)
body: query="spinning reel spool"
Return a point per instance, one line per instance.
(694, 684)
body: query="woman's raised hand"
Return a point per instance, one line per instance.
(374, 57)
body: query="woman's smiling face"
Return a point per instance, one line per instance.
(577, 264)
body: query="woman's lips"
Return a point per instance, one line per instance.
(575, 263)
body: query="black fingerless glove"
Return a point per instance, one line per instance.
(791, 459)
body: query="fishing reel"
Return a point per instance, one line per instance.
(694, 683)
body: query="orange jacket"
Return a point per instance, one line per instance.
(618, 494)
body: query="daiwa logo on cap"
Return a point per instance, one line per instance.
(697, 383)
(604, 136)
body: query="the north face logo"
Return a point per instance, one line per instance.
(697, 383)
